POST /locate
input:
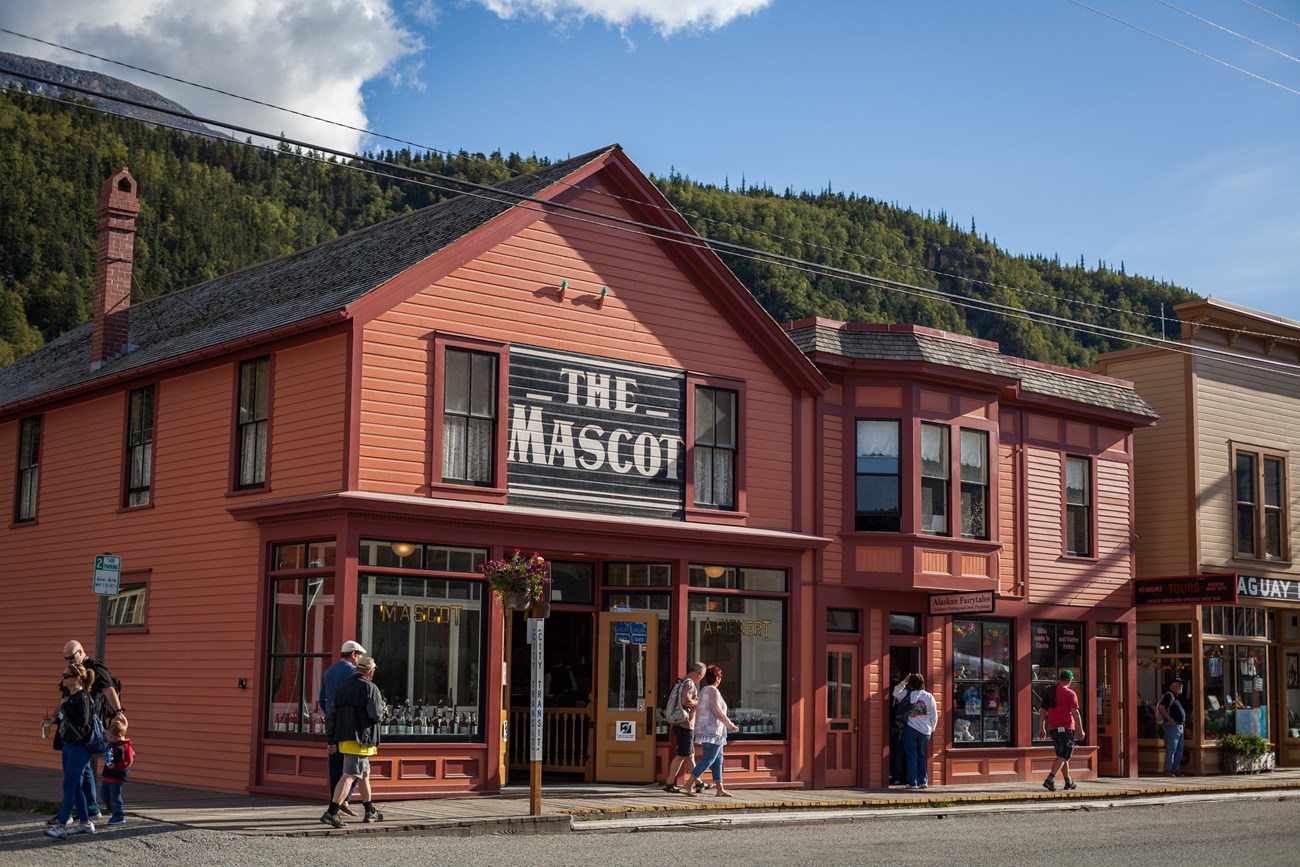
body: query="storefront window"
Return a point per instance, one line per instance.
(745, 636)
(737, 578)
(427, 635)
(1056, 647)
(639, 574)
(572, 583)
(1164, 651)
(661, 604)
(981, 692)
(1235, 672)
(1291, 634)
(302, 629)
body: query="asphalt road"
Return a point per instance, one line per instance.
(1254, 831)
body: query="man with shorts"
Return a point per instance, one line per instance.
(352, 725)
(335, 676)
(1065, 724)
(684, 732)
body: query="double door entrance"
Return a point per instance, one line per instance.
(601, 690)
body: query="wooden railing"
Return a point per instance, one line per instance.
(566, 740)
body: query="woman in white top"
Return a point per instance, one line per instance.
(921, 722)
(711, 727)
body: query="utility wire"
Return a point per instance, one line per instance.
(1270, 12)
(1226, 30)
(1184, 47)
(595, 218)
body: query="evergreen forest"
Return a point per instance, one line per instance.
(211, 206)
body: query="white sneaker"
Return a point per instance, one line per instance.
(58, 832)
(83, 828)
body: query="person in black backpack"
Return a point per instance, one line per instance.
(1172, 717)
(688, 697)
(76, 729)
(107, 703)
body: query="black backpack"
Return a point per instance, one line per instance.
(1049, 696)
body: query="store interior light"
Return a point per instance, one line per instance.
(715, 571)
(403, 549)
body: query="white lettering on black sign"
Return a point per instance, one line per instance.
(592, 434)
(1268, 588)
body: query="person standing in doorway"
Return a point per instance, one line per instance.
(921, 723)
(684, 732)
(1172, 717)
(1066, 726)
(334, 677)
(352, 725)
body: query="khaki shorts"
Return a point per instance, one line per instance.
(356, 766)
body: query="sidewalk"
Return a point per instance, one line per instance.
(569, 806)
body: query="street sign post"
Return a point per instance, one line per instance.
(108, 575)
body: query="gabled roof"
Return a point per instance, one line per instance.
(906, 343)
(294, 288)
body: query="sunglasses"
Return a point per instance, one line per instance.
(66, 676)
(70, 658)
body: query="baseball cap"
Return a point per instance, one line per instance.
(352, 647)
(1175, 680)
(1066, 674)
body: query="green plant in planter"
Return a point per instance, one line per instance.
(1247, 746)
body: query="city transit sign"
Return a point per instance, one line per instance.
(1186, 590)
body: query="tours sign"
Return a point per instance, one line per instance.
(1186, 590)
(595, 435)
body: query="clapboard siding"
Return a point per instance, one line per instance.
(1056, 578)
(1008, 519)
(834, 480)
(654, 314)
(203, 566)
(1248, 406)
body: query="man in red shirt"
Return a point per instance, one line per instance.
(1065, 724)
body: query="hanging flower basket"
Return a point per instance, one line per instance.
(520, 579)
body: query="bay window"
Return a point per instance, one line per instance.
(878, 480)
(935, 471)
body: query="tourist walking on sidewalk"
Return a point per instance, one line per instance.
(711, 727)
(683, 732)
(921, 723)
(76, 723)
(1060, 714)
(334, 677)
(352, 725)
(1172, 717)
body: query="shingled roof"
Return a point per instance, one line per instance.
(910, 344)
(294, 288)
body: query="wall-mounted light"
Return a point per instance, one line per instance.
(403, 549)
(715, 571)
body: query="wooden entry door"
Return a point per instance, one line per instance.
(842, 702)
(1109, 722)
(627, 653)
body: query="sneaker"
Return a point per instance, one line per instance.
(924, 786)
(54, 820)
(117, 820)
(1071, 784)
(96, 816)
(332, 819)
(1049, 784)
(58, 832)
(373, 816)
(83, 828)
(912, 788)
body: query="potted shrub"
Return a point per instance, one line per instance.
(1245, 754)
(519, 579)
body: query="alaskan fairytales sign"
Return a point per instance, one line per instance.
(592, 434)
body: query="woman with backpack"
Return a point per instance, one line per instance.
(76, 730)
(922, 717)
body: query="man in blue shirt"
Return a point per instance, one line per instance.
(335, 676)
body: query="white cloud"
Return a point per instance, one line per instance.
(666, 16)
(312, 56)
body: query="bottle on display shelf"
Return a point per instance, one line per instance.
(280, 723)
(292, 721)
(418, 724)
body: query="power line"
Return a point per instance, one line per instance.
(1184, 47)
(577, 214)
(1270, 12)
(1226, 30)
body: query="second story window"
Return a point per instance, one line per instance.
(29, 469)
(878, 491)
(974, 484)
(139, 447)
(1260, 485)
(251, 422)
(715, 448)
(469, 417)
(935, 470)
(1078, 506)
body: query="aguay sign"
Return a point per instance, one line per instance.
(596, 435)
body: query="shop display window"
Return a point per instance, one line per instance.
(982, 688)
(1056, 647)
(745, 636)
(1164, 651)
(302, 629)
(1236, 690)
(1291, 664)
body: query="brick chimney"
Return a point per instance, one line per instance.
(114, 250)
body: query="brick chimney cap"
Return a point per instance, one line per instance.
(118, 192)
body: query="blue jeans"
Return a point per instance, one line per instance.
(1173, 748)
(711, 758)
(76, 765)
(113, 798)
(914, 758)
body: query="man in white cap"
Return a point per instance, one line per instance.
(335, 676)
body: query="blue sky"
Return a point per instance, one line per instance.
(1059, 130)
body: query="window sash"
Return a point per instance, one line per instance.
(974, 484)
(469, 415)
(935, 472)
(1259, 487)
(716, 447)
(251, 427)
(139, 447)
(1078, 507)
(878, 481)
(29, 452)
